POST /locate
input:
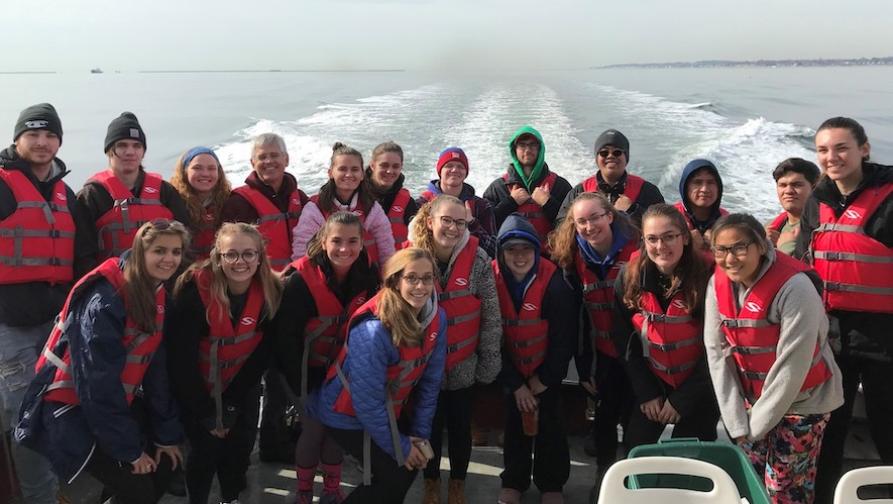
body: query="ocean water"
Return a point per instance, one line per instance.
(744, 119)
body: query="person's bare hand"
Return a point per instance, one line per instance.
(623, 203)
(143, 465)
(668, 414)
(651, 409)
(788, 236)
(520, 194)
(772, 234)
(416, 459)
(525, 400)
(542, 194)
(173, 452)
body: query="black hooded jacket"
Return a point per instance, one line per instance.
(35, 303)
(560, 308)
(862, 334)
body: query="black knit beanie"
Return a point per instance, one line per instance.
(37, 117)
(124, 127)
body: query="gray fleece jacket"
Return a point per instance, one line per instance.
(486, 362)
(798, 309)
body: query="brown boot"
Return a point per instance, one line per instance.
(432, 491)
(456, 493)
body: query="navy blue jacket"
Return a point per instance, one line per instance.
(68, 435)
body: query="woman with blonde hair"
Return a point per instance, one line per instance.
(201, 182)
(322, 290)
(216, 361)
(396, 348)
(82, 410)
(591, 244)
(467, 292)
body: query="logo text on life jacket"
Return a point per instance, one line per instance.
(247, 321)
(432, 336)
(679, 304)
(60, 196)
(528, 307)
(852, 214)
(462, 282)
(397, 208)
(150, 190)
(160, 308)
(753, 307)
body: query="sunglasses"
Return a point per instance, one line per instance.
(608, 152)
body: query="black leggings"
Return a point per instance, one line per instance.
(454, 412)
(228, 458)
(390, 481)
(551, 463)
(123, 485)
(613, 407)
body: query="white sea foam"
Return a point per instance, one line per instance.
(745, 153)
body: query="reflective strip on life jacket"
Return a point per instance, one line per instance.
(598, 299)
(275, 225)
(857, 270)
(672, 339)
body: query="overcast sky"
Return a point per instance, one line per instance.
(450, 35)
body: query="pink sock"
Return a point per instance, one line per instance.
(305, 478)
(331, 481)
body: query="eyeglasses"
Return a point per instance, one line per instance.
(668, 238)
(232, 257)
(415, 279)
(738, 250)
(449, 222)
(608, 152)
(582, 221)
(527, 145)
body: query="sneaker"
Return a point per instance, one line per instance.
(234, 501)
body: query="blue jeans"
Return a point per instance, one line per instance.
(19, 348)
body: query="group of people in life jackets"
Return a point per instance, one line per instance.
(139, 315)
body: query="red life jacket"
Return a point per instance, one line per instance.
(203, 236)
(223, 353)
(631, 190)
(462, 307)
(598, 298)
(140, 346)
(778, 223)
(360, 211)
(691, 225)
(402, 376)
(396, 215)
(526, 333)
(429, 195)
(274, 224)
(533, 212)
(325, 333)
(672, 340)
(857, 270)
(118, 226)
(752, 337)
(37, 239)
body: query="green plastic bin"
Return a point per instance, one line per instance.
(727, 456)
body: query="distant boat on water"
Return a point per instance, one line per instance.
(96, 70)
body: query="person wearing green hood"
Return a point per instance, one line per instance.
(528, 187)
(627, 192)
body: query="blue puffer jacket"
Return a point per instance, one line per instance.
(370, 352)
(68, 435)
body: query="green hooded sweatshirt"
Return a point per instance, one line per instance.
(540, 159)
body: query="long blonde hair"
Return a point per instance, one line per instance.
(393, 311)
(269, 281)
(196, 207)
(422, 237)
(139, 287)
(563, 240)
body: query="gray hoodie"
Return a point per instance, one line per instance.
(798, 308)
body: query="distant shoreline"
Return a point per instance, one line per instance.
(373, 70)
(757, 63)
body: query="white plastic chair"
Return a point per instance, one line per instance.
(613, 491)
(849, 484)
